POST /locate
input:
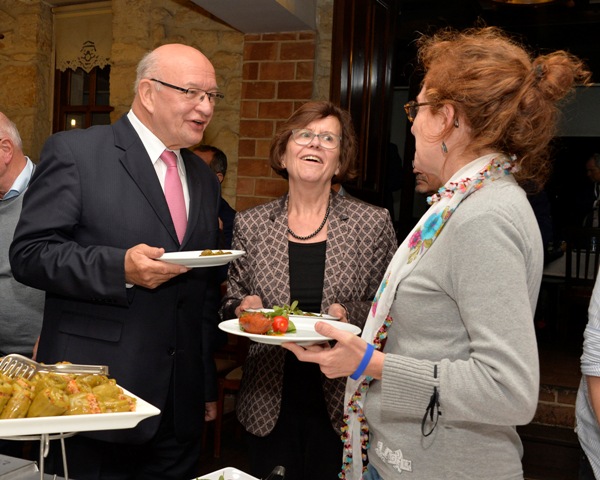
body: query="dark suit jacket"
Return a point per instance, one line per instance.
(360, 244)
(95, 194)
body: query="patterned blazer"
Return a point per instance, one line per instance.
(360, 244)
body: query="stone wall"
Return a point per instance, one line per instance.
(26, 71)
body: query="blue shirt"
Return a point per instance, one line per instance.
(21, 182)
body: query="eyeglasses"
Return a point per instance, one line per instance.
(194, 93)
(412, 108)
(303, 136)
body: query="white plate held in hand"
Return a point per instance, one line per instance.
(194, 259)
(305, 334)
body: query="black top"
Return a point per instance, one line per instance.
(307, 268)
(302, 390)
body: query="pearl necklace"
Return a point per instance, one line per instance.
(298, 237)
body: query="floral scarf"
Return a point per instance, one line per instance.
(470, 178)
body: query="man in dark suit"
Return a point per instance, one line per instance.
(94, 224)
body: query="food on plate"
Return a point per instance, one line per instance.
(287, 310)
(20, 400)
(272, 322)
(55, 394)
(265, 322)
(207, 253)
(50, 402)
(280, 324)
(255, 322)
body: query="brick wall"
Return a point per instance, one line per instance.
(556, 406)
(277, 77)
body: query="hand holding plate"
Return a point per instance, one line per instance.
(339, 361)
(141, 267)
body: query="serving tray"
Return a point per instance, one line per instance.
(78, 423)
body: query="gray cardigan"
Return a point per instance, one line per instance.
(468, 308)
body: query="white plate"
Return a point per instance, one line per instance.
(194, 259)
(78, 423)
(305, 334)
(229, 473)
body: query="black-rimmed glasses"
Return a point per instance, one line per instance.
(303, 136)
(412, 108)
(194, 93)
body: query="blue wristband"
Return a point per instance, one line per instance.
(364, 362)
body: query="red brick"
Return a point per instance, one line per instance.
(307, 35)
(305, 70)
(263, 148)
(297, 51)
(244, 203)
(249, 109)
(250, 70)
(245, 186)
(275, 110)
(547, 395)
(270, 188)
(552, 414)
(273, 37)
(295, 90)
(252, 37)
(247, 148)
(260, 51)
(258, 90)
(277, 71)
(566, 396)
(250, 167)
(256, 128)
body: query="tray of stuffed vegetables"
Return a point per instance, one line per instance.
(61, 403)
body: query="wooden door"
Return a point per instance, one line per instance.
(362, 55)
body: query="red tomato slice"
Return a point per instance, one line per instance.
(280, 324)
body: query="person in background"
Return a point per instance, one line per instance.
(587, 407)
(22, 306)
(426, 184)
(216, 159)
(592, 170)
(103, 206)
(447, 365)
(324, 250)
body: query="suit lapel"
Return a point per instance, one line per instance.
(139, 166)
(275, 242)
(335, 258)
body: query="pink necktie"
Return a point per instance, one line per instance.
(174, 194)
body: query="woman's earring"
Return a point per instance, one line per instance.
(456, 123)
(444, 148)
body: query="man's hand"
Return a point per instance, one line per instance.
(142, 268)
